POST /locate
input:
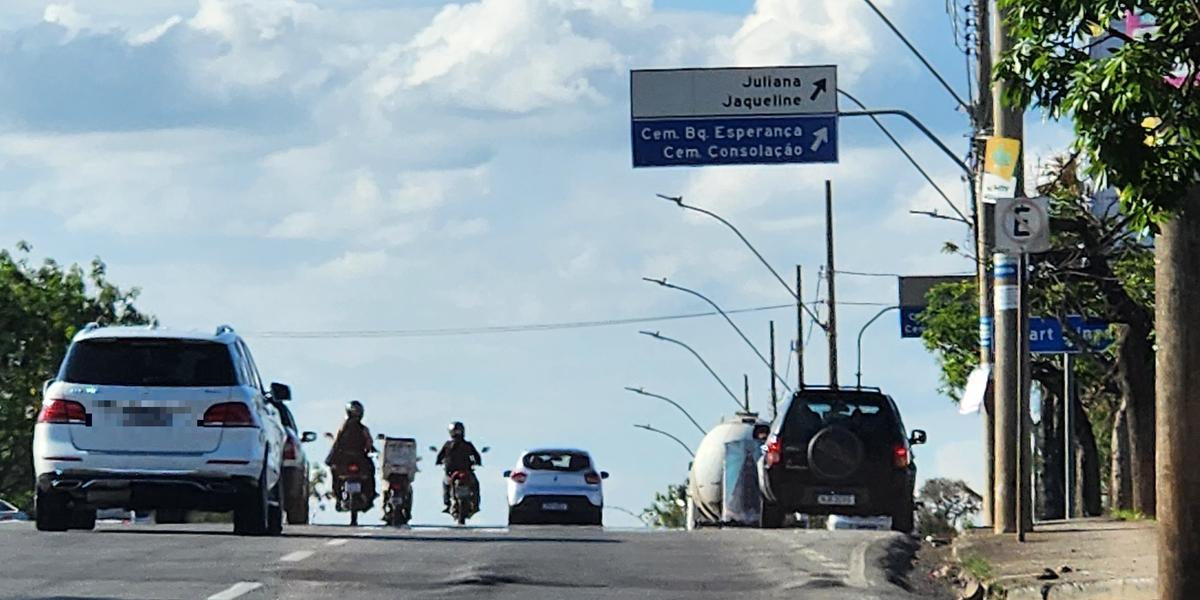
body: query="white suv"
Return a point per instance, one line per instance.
(142, 418)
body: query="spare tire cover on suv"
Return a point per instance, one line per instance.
(835, 453)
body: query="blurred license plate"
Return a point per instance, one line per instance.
(147, 416)
(836, 499)
(554, 506)
(353, 487)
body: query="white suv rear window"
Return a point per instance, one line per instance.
(149, 362)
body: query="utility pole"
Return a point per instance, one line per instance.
(799, 329)
(831, 283)
(982, 123)
(1069, 434)
(1009, 387)
(774, 391)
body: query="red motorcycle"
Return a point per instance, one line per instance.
(464, 502)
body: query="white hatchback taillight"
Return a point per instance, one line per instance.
(63, 412)
(592, 477)
(228, 414)
(519, 476)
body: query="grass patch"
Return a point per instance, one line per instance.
(979, 568)
(1125, 514)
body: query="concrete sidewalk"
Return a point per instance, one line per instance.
(1098, 559)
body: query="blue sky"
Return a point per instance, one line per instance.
(346, 165)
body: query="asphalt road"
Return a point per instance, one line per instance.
(198, 562)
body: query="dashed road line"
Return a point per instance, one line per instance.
(296, 556)
(236, 590)
(337, 542)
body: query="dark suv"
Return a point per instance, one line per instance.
(839, 451)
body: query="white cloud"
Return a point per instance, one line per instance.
(784, 32)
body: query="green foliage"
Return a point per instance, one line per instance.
(1135, 129)
(318, 485)
(951, 332)
(1125, 514)
(41, 308)
(979, 568)
(669, 509)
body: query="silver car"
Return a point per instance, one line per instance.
(555, 486)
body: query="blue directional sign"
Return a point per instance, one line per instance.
(734, 141)
(913, 291)
(1046, 335)
(732, 116)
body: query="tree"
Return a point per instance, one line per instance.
(41, 308)
(669, 508)
(1137, 128)
(947, 504)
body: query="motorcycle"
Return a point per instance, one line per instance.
(463, 503)
(353, 499)
(397, 500)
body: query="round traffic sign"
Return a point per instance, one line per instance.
(1023, 224)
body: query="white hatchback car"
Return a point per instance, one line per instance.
(555, 485)
(141, 418)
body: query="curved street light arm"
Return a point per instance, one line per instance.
(919, 125)
(664, 283)
(661, 432)
(858, 373)
(664, 338)
(910, 157)
(672, 403)
(678, 200)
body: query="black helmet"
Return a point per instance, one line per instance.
(457, 429)
(354, 409)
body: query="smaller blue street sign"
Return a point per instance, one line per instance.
(910, 325)
(1046, 335)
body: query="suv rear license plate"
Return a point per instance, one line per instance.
(554, 506)
(354, 487)
(836, 499)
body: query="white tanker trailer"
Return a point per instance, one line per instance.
(723, 483)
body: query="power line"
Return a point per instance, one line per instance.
(527, 327)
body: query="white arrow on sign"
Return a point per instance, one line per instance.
(822, 138)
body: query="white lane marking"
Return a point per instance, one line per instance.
(296, 556)
(365, 534)
(236, 590)
(336, 542)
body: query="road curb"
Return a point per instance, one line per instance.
(1139, 588)
(892, 556)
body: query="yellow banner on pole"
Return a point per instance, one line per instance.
(1001, 156)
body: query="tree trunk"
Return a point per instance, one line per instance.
(1135, 360)
(1052, 474)
(1087, 465)
(1120, 484)
(1177, 312)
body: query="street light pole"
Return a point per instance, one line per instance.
(672, 403)
(663, 282)
(678, 200)
(656, 335)
(661, 432)
(858, 373)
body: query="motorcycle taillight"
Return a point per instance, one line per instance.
(353, 468)
(396, 485)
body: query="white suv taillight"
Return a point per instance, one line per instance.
(289, 449)
(63, 412)
(227, 414)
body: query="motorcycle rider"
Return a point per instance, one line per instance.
(353, 445)
(458, 454)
